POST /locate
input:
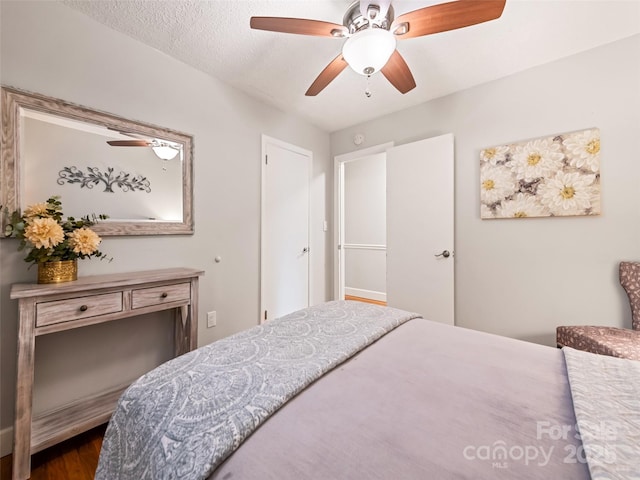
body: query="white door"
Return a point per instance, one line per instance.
(420, 228)
(284, 273)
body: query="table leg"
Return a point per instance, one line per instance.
(24, 391)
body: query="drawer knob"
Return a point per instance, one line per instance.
(83, 308)
(164, 295)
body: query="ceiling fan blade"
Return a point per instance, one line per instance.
(397, 72)
(446, 16)
(327, 75)
(299, 26)
(129, 143)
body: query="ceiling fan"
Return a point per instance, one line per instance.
(371, 32)
(164, 150)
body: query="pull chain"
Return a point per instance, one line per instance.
(367, 91)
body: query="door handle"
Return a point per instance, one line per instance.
(445, 254)
(305, 250)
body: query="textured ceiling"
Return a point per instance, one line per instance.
(214, 37)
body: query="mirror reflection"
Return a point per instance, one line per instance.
(137, 174)
(120, 175)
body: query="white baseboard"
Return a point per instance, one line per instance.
(371, 294)
(6, 441)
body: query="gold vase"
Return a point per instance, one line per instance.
(58, 272)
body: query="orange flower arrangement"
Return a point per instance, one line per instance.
(50, 236)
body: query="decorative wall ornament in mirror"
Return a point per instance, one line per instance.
(138, 174)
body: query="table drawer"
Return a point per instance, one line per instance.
(59, 311)
(146, 297)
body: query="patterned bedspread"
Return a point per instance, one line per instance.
(606, 401)
(182, 419)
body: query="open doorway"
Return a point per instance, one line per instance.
(395, 226)
(365, 225)
(361, 232)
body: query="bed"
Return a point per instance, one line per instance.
(347, 390)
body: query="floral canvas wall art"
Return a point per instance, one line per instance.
(544, 177)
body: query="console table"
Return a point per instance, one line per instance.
(87, 301)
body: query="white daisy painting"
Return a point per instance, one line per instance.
(545, 177)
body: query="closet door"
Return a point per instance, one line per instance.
(420, 228)
(284, 269)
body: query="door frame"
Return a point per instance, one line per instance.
(338, 185)
(266, 140)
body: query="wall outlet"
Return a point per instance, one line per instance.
(211, 319)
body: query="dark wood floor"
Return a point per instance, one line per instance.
(75, 459)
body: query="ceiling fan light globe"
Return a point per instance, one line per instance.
(369, 50)
(165, 152)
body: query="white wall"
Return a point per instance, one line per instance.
(521, 278)
(50, 49)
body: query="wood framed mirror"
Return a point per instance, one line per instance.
(138, 174)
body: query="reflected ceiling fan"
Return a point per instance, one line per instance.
(164, 150)
(371, 32)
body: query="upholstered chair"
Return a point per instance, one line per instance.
(616, 342)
